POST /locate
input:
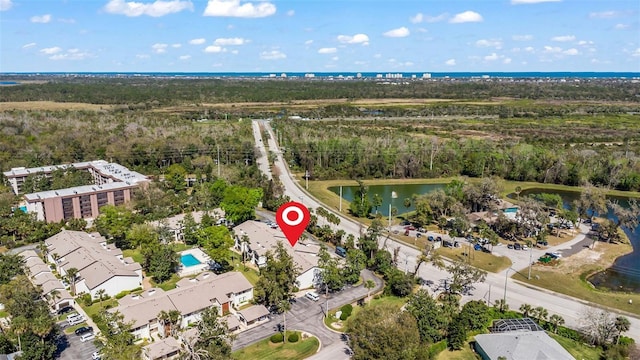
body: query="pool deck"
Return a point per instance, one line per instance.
(195, 269)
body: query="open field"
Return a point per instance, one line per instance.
(479, 259)
(51, 105)
(569, 275)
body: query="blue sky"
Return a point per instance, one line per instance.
(319, 35)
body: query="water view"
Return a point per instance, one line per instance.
(624, 275)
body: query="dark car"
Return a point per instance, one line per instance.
(83, 330)
(510, 246)
(517, 246)
(430, 238)
(65, 310)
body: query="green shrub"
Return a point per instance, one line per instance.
(277, 338)
(293, 337)
(122, 294)
(625, 341)
(344, 316)
(437, 348)
(569, 333)
(85, 299)
(347, 309)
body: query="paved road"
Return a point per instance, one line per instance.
(307, 315)
(569, 308)
(262, 161)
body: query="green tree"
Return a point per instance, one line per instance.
(384, 332)
(120, 342)
(160, 262)
(457, 333)
(175, 178)
(76, 224)
(189, 229)
(10, 266)
(114, 222)
(369, 284)
(361, 205)
(217, 241)
(72, 277)
(212, 340)
(556, 320)
(622, 324)
(355, 262)
(284, 306)
(475, 315)
(330, 275)
(278, 278)
(239, 203)
(525, 309)
(463, 276)
(377, 202)
(432, 321)
(142, 235)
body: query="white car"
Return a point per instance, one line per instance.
(556, 254)
(95, 356)
(312, 296)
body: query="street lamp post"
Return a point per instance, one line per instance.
(506, 277)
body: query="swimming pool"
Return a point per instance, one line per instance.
(188, 260)
(510, 210)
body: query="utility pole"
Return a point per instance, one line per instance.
(340, 208)
(218, 146)
(530, 260)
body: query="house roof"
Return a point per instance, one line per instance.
(521, 345)
(96, 260)
(190, 295)
(43, 278)
(38, 269)
(232, 322)
(263, 238)
(161, 348)
(175, 222)
(29, 254)
(254, 312)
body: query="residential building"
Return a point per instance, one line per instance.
(41, 276)
(263, 237)
(100, 266)
(167, 348)
(113, 184)
(190, 298)
(253, 314)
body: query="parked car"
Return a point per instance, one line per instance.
(422, 230)
(95, 356)
(430, 238)
(406, 232)
(509, 246)
(525, 247)
(418, 235)
(87, 337)
(438, 238)
(83, 329)
(341, 251)
(410, 227)
(517, 246)
(65, 310)
(312, 295)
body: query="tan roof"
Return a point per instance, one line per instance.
(43, 278)
(263, 238)
(38, 269)
(96, 260)
(232, 322)
(63, 296)
(161, 348)
(28, 254)
(190, 296)
(51, 285)
(254, 312)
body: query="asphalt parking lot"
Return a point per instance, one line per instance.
(71, 348)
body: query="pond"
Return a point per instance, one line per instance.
(402, 191)
(624, 274)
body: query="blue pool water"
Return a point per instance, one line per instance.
(189, 260)
(510, 210)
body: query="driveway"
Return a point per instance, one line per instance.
(308, 315)
(71, 348)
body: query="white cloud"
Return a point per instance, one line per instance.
(518, 2)
(467, 16)
(142, 56)
(71, 54)
(198, 41)
(496, 43)
(213, 49)
(522, 37)
(610, 14)
(572, 51)
(437, 18)
(491, 57)
(51, 50)
(621, 26)
(308, 42)
(335, 58)
(230, 41)
(585, 42)
(5, 5)
(272, 55)
(355, 39)
(176, 46)
(450, 62)
(233, 8)
(377, 56)
(327, 50)
(563, 38)
(552, 49)
(185, 57)
(67, 21)
(417, 18)
(234, 52)
(41, 19)
(397, 33)
(506, 61)
(636, 52)
(26, 46)
(291, 12)
(155, 9)
(529, 49)
(159, 48)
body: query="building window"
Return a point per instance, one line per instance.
(118, 197)
(67, 208)
(85, 206)
(103, 199)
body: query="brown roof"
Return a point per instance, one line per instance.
(43, 278)
(161, 348)
(254, 312)
(232, 322)
(28, 254)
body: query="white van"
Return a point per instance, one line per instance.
(75, 321)
(313, 296)
(74, 316)
(87, 337)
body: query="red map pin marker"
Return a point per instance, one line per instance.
(293, 218)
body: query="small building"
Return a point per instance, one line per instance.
(167, 348)
(41, 276)
(253, 314)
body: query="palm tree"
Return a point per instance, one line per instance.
(19, 325)
(54, 295)
(41, 326)
(284, 306)
(541, 313)
(501, 305)
(245, 241)
(174, 319)
(622, 324)
(428, 255)
(369, 284)
(101, 295)
(526, 310)
(556, 320)
(42, 247)
(72, 277)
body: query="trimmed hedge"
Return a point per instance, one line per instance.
(277, 338)
(344, 316)
(293, 337)
(347, 309)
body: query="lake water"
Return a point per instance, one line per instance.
(624, 275)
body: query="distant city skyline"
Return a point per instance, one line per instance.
(319, 36)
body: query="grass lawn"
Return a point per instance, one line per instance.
(265, 350)
(169, 284)
(577, 349)
(479, 259)
(3, 314)
(96, 307)
(248, 272)
(569, 277)
(134, 254)
(466, 353)
(178, 247)
(331, 321)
